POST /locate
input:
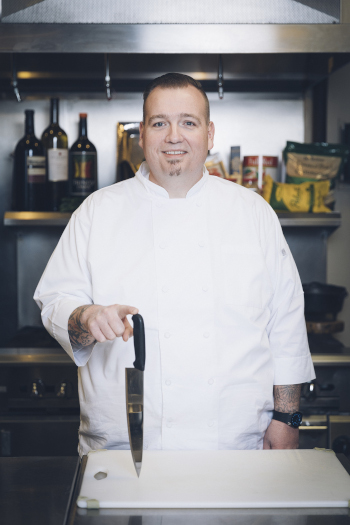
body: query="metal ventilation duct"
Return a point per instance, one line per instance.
(172, 12)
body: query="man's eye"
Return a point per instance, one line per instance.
(189, 123)
(158, 124)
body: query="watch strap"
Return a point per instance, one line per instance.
(292, 419)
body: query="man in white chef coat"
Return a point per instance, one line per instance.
(206, 264)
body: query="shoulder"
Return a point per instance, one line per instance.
(105, 199)
(248, 199)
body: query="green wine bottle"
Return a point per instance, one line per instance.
(56, 144)
(29, 172)
(82, 163)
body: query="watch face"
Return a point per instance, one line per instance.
(296, 420)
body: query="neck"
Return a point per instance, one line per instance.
(177, 186)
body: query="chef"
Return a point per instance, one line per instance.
(205, 263)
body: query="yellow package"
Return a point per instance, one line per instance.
(306, 197)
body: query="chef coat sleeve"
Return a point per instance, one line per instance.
(286, 328)
(66, 284)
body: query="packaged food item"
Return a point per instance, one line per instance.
(315, 162)
(307, 197)
(236, 165)
(251, 171)
(216, 167)
(270, 167)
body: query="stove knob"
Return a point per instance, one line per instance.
(62, 392)
(37, 389)
(341, 445)
(64, 389)
(309, 391)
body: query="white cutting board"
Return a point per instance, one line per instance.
(216, 479)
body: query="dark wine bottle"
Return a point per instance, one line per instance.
(29, 174)
(56, 145)
(82, 163)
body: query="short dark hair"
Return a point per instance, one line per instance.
(173, 81)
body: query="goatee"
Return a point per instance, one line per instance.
(174, 171)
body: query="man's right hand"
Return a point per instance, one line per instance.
(93, 322)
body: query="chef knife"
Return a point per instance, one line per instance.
(134, 393)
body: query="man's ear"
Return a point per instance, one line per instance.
(141, 128)
(211, 133)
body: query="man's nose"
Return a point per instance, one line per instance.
(174, 134)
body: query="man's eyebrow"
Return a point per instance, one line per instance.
(164, 116)
(155, 117)
(189, 115)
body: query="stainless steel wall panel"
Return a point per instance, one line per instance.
(174, 38)
(179, 12)
(33, 251)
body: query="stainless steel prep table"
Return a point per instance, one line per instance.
(36, 490)
(44, 490)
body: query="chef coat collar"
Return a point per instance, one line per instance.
(152, 188)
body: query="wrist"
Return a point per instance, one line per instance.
(292, 419)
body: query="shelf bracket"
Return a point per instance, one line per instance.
(14, 81)
(220, 79)
(107, 78)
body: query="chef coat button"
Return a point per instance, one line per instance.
(167, 335)
(201, 243)
(206, 335)
(163, 245)
(205, 288)
(165, 289)
(211, 423)
(211, 381)
(168, 424)
(168, 382)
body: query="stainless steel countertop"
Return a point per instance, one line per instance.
(44, 490)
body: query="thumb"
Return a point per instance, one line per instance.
(124, 310)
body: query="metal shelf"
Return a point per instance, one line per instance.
(331, 359)
(307, 220)
(303, 220)
(36, 218)
(34, 358)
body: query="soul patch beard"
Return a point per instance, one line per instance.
(174, 171)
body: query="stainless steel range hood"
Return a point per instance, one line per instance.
(184, 26)
(170, 12)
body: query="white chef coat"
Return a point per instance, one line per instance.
(222, 302)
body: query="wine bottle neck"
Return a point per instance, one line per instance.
(83, 127)
(29, 122)
(54, 111)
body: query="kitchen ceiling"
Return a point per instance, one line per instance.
(170, 12)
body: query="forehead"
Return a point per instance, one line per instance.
(173, 101)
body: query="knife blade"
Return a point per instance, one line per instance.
(134, 393)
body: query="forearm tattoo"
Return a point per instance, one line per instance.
(79, 336)
(287, 397)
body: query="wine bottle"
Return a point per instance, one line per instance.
(82, 163)
(29, 174)
(56, 144)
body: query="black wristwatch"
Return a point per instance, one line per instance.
(293, 420)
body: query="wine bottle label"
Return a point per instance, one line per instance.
(84, 171)
(36, 169)
(57, 160)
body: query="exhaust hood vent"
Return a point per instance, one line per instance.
(170, 12)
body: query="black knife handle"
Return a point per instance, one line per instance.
(139, 342)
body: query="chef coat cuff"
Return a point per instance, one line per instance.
(60, 331)
(293, 370)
